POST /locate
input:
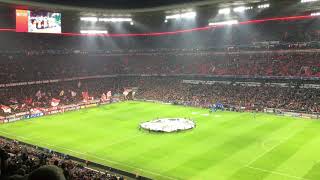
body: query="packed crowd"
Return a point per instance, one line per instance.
(23, 98)
(265, 96)
(262, 64)
(251, 65)
(22, 162)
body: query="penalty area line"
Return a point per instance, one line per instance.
(94, 156)
(278, 173)
(248, 165)
(270, 149)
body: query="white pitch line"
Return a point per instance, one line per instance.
(267, 151)
(248, 165)
(95, 170)
(278, 173)
(123, 140)
(134, 167)
(114, 162)
(265, 142)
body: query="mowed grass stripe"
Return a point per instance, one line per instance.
(186, 137)
(212, 157)
(239, 159)
(314, 172)
(278, 155)
(220, 143)
(155, 150)
(305, 158)
(184, 146)
(135, 146)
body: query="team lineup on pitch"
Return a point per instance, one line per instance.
(223, 145)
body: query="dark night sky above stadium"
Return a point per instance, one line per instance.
(126, 4)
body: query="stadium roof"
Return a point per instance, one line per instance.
(127, 6)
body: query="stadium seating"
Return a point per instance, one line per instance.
(276, 67)
(20, 160)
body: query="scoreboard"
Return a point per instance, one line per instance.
(38, 21)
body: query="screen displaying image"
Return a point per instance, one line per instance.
(44, 22)
(38, 21)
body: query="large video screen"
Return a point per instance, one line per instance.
(38, 21)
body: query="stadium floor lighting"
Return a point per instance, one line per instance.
(93, 32)
(91, 19)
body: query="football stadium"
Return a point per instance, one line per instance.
(163, 89)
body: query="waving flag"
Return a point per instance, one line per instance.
(5, 109)
(103, 97)
(109, 94)
(61, 93)
(39, 94)
(14, 106)
(85, 96)
(73, 93)
(55, 102)
(79, 84)
(127, 91)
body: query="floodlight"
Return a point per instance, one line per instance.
(115, 19)
(242, 8)
(229, 22)
(315, 14)
(187, 15)
(91, 19)
(224, 11)
(307, 1)
(93, 32)
(263, 6)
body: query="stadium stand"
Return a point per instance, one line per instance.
(276, 67)
(19, 160)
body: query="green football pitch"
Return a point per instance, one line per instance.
(223, 146)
